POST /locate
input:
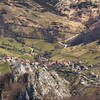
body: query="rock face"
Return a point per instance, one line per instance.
(41, 83)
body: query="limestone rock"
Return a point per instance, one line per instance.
(42, 83)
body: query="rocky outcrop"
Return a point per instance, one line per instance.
(40, 83)
(53, 81)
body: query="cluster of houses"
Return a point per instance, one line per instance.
(20, 66)
(26, 65)
(12, 59)
(74, 66)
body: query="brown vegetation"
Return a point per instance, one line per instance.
(9, 89)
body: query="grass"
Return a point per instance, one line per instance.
(13, 44)
(41, 44)
(34, 18)
(4, 67)
(27, 57)
(86, 53)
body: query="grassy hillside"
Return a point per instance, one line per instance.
(11, 47)
(89, 53)
(4, 67)
(35, 23)
(33, 20)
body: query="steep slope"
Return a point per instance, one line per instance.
(34, 19)
(53, 81)
(47, 20)
(90, 35)
(36, 82)
(76, 9)
(26, 27)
